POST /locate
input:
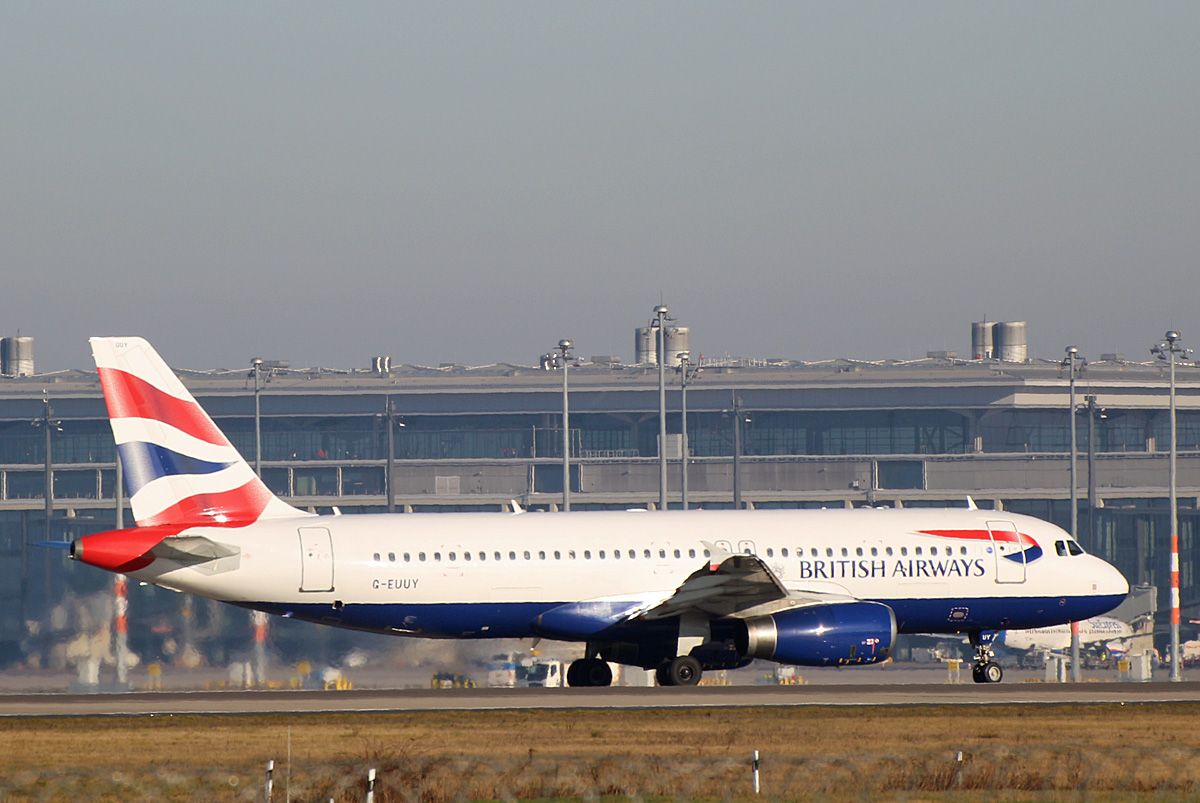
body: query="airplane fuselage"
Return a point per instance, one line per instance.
(491, 575)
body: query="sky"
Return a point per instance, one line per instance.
(472, 182)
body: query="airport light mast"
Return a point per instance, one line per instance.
(260, 368)
(1168, 351)
(687, 372)
(1073, 363)
(563, 360)
(660, 314)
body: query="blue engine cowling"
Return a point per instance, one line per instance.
(827, 634)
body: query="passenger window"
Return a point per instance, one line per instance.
(407, 557)
(706, 553)
(376, 557)
(557, 555)
(617, 554)
(571, 554)
(483, 556)
(600, 554)
(662, 553)
(1061, 548)
(646, 554)
(874, 551)
(527, 554)
(452, 557)
(437, 555)
(587, 554)
(496, 555)
(632, 553)
(466, 556)
(858, 552)
(421, 556)
(829, 552)
(903, 550)
(391, 557)
(814, 552)
(932, 550)
(677, 554)
(512, 555)
(962, 550)
(918, 550)
(691, 553)
(783, 552)
(770, 552)
(845, 552)
(541, 554)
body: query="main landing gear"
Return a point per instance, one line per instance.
(984, 669)
(589, 672)
(683, 670)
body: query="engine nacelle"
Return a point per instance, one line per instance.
(828, 634)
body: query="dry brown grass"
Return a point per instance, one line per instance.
(1061, 753)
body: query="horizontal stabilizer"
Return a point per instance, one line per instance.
(192, 549)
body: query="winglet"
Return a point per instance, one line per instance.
(716, 555)
(971, 503)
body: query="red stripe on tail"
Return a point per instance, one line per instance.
(128, 396)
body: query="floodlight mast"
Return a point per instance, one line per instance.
(660, 314)
(687, 372)
(563, 360)
(1168, 351)
(1073, 363)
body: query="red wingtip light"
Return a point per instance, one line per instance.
(119, 550)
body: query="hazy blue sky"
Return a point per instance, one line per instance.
(323, 182)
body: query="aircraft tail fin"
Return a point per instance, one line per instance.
(179, 467)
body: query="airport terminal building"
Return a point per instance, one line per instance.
(928, 432)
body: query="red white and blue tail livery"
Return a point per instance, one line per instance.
(180, 469)
(674, 591)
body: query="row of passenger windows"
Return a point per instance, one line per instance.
(861, 553)
(570, 554)
(647, 554)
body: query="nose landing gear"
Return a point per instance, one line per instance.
(984, 669)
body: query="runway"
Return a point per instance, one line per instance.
(363, 701)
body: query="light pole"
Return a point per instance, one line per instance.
(737, 451)
(563, 360)
(389, 413)
(258, 369)
(1072, 363)
(660, 314)
(687, 372)
(1167, 351)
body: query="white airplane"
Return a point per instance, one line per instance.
(678, 592)
(1056, 638)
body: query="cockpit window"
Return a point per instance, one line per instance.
(1074, 548)
(1061, 548)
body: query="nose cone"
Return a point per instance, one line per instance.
(121, 551)
(1109, 586)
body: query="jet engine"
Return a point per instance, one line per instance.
(827, 634)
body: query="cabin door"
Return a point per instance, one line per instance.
(1008, 550)
(316, 559)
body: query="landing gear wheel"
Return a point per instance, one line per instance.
(681, 671)
(589, 672)
(987, 673)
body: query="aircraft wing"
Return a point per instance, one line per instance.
(731, 583)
